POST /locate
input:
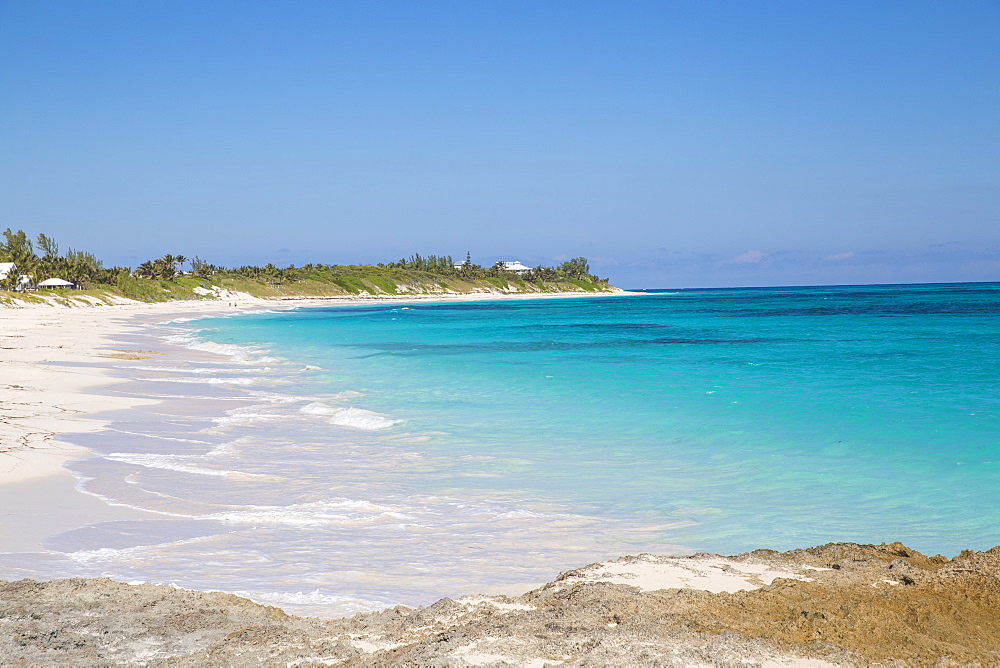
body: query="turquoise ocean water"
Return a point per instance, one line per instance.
(337, 459)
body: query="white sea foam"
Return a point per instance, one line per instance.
(261, 311)
(162, 438)
(228, 448)
(197, 370)
(238, 353)
(422, 513)
(317, 513)
(243, 416)
(174, 463)
(278, 398)
(181, 396)
(320, 408)
(317, 408)
(101, 555)
(355, 418)
(106, 555)
(205, 381)
(358, 418)
(325, 602)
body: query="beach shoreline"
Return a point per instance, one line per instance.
(58, 364)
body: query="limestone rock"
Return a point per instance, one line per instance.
(842, 604)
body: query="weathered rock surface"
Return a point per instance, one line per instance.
(841, 603)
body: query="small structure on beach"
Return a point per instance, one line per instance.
(55, 283)
(514, 265)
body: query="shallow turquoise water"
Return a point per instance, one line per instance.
(771, 418)
(331, 460)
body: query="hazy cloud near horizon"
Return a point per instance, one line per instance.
(673, 144)
(750, 257)
(682, 269)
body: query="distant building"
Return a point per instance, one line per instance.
(55, 283)
(23, 281)
(467, 262)
(514, 265)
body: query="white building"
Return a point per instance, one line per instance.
(23, 281)
(55, 283)
(514, 265)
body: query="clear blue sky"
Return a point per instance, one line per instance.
(672, 143)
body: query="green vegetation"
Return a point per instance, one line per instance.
(165, 279)
(75, 266)
(383, 283)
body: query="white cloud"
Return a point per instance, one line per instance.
(750, 257)
(841, 256)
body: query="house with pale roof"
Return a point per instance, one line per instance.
(55, 283)
(23, 281)
(514, 265)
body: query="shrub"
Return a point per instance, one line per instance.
(383, 283)
(139, 289)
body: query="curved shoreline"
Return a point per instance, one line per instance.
(57, 364)
(42, 394)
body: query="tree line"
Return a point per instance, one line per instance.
(575, 268)
(40, 259)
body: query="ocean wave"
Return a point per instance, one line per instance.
(315, 602)
(227, 448)
(279, 398)
(150, 395)
(341, 513)
(205, 381)
(106, 555)
(243, 416)
(197, 370)
(238, 353)
(358, 418)
(318, 408)
(175, 463)
(355, 418)
(158, 436)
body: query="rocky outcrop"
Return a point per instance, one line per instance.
(841, 603)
